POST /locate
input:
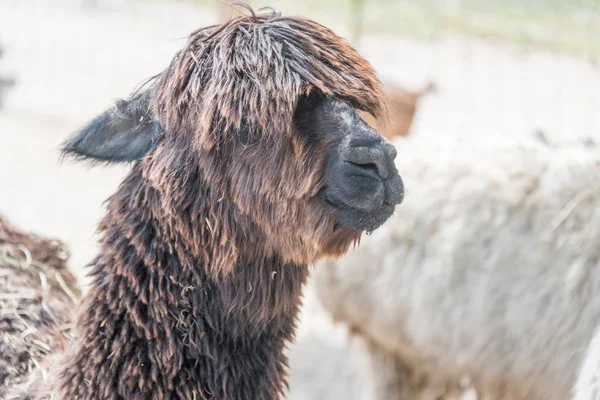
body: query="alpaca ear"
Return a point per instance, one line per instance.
(124, 133)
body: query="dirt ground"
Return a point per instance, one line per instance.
(71, 62)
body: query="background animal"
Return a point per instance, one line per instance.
(204, 246)
(490, 270)
(403, 108)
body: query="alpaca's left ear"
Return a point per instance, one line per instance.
(124, 133)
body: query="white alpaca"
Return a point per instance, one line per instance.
(490, 270)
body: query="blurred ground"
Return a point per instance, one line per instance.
(71, 62)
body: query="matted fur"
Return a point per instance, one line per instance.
(206, 244)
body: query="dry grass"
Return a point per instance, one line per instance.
(37, 295)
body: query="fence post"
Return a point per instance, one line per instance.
(224, 11)
(357, 11)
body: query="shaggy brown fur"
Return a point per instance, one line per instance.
(37, 294)
(205, 245)
(403, 107)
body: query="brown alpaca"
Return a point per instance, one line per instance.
(251, 163)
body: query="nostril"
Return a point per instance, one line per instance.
(372, 159)
(370, 166)
(373, 167)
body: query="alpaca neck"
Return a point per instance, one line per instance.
(156, 324)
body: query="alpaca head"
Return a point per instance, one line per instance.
(263, 109)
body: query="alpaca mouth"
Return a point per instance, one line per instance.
(362, 219)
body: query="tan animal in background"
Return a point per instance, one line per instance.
(403, 108)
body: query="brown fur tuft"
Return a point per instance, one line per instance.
(252, 70)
